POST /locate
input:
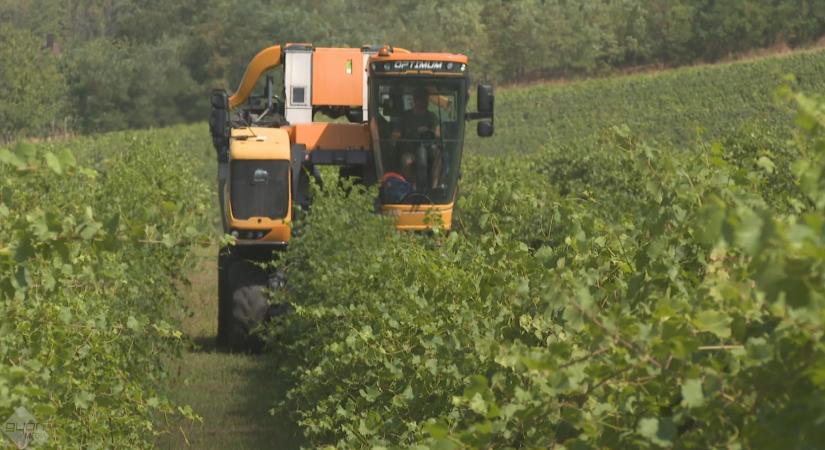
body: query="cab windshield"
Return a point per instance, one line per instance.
(418, 125)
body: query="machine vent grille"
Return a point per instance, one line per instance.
(259, 189)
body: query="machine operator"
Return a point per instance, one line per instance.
(418, 122)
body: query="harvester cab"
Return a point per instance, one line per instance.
(417, 115)
(405, 120)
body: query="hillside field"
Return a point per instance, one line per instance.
(676, 107)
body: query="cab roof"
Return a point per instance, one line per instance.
(398, 55)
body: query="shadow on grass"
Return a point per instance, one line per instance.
(233, 393)
(206, 344)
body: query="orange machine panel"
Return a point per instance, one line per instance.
(331, 136)
(337, 77)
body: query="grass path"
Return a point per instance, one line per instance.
(232, 393)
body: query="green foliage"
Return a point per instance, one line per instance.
(32, 89)
(622, 295)
(94, 235)
(150, 63)
(117, 85)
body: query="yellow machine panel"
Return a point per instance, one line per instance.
(338, 77)
(259, 143)
(420, 217)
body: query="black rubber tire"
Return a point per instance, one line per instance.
(242, 303)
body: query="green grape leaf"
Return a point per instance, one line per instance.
(7, 157)
(436, 429)
(83, 399)
(711, 218)
(478, 405)
(658, 433)
(749, 231)
(766, 164)
(692, 396)
(89, 230)
(66, 158)
(713, 322)
(759, 350)
(53, 163)
(132, 323)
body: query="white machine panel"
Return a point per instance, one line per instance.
(298, 84)
(366, 54)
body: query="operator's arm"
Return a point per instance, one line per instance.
(435, 125)
(435, 176)
(397, 126)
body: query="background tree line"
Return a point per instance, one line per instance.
(140, 63)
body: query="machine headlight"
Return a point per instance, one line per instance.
(249, 234)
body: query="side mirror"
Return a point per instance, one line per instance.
(219, 99)
(219, 123)
(484, 128)
(486, 98)
(486, 103)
